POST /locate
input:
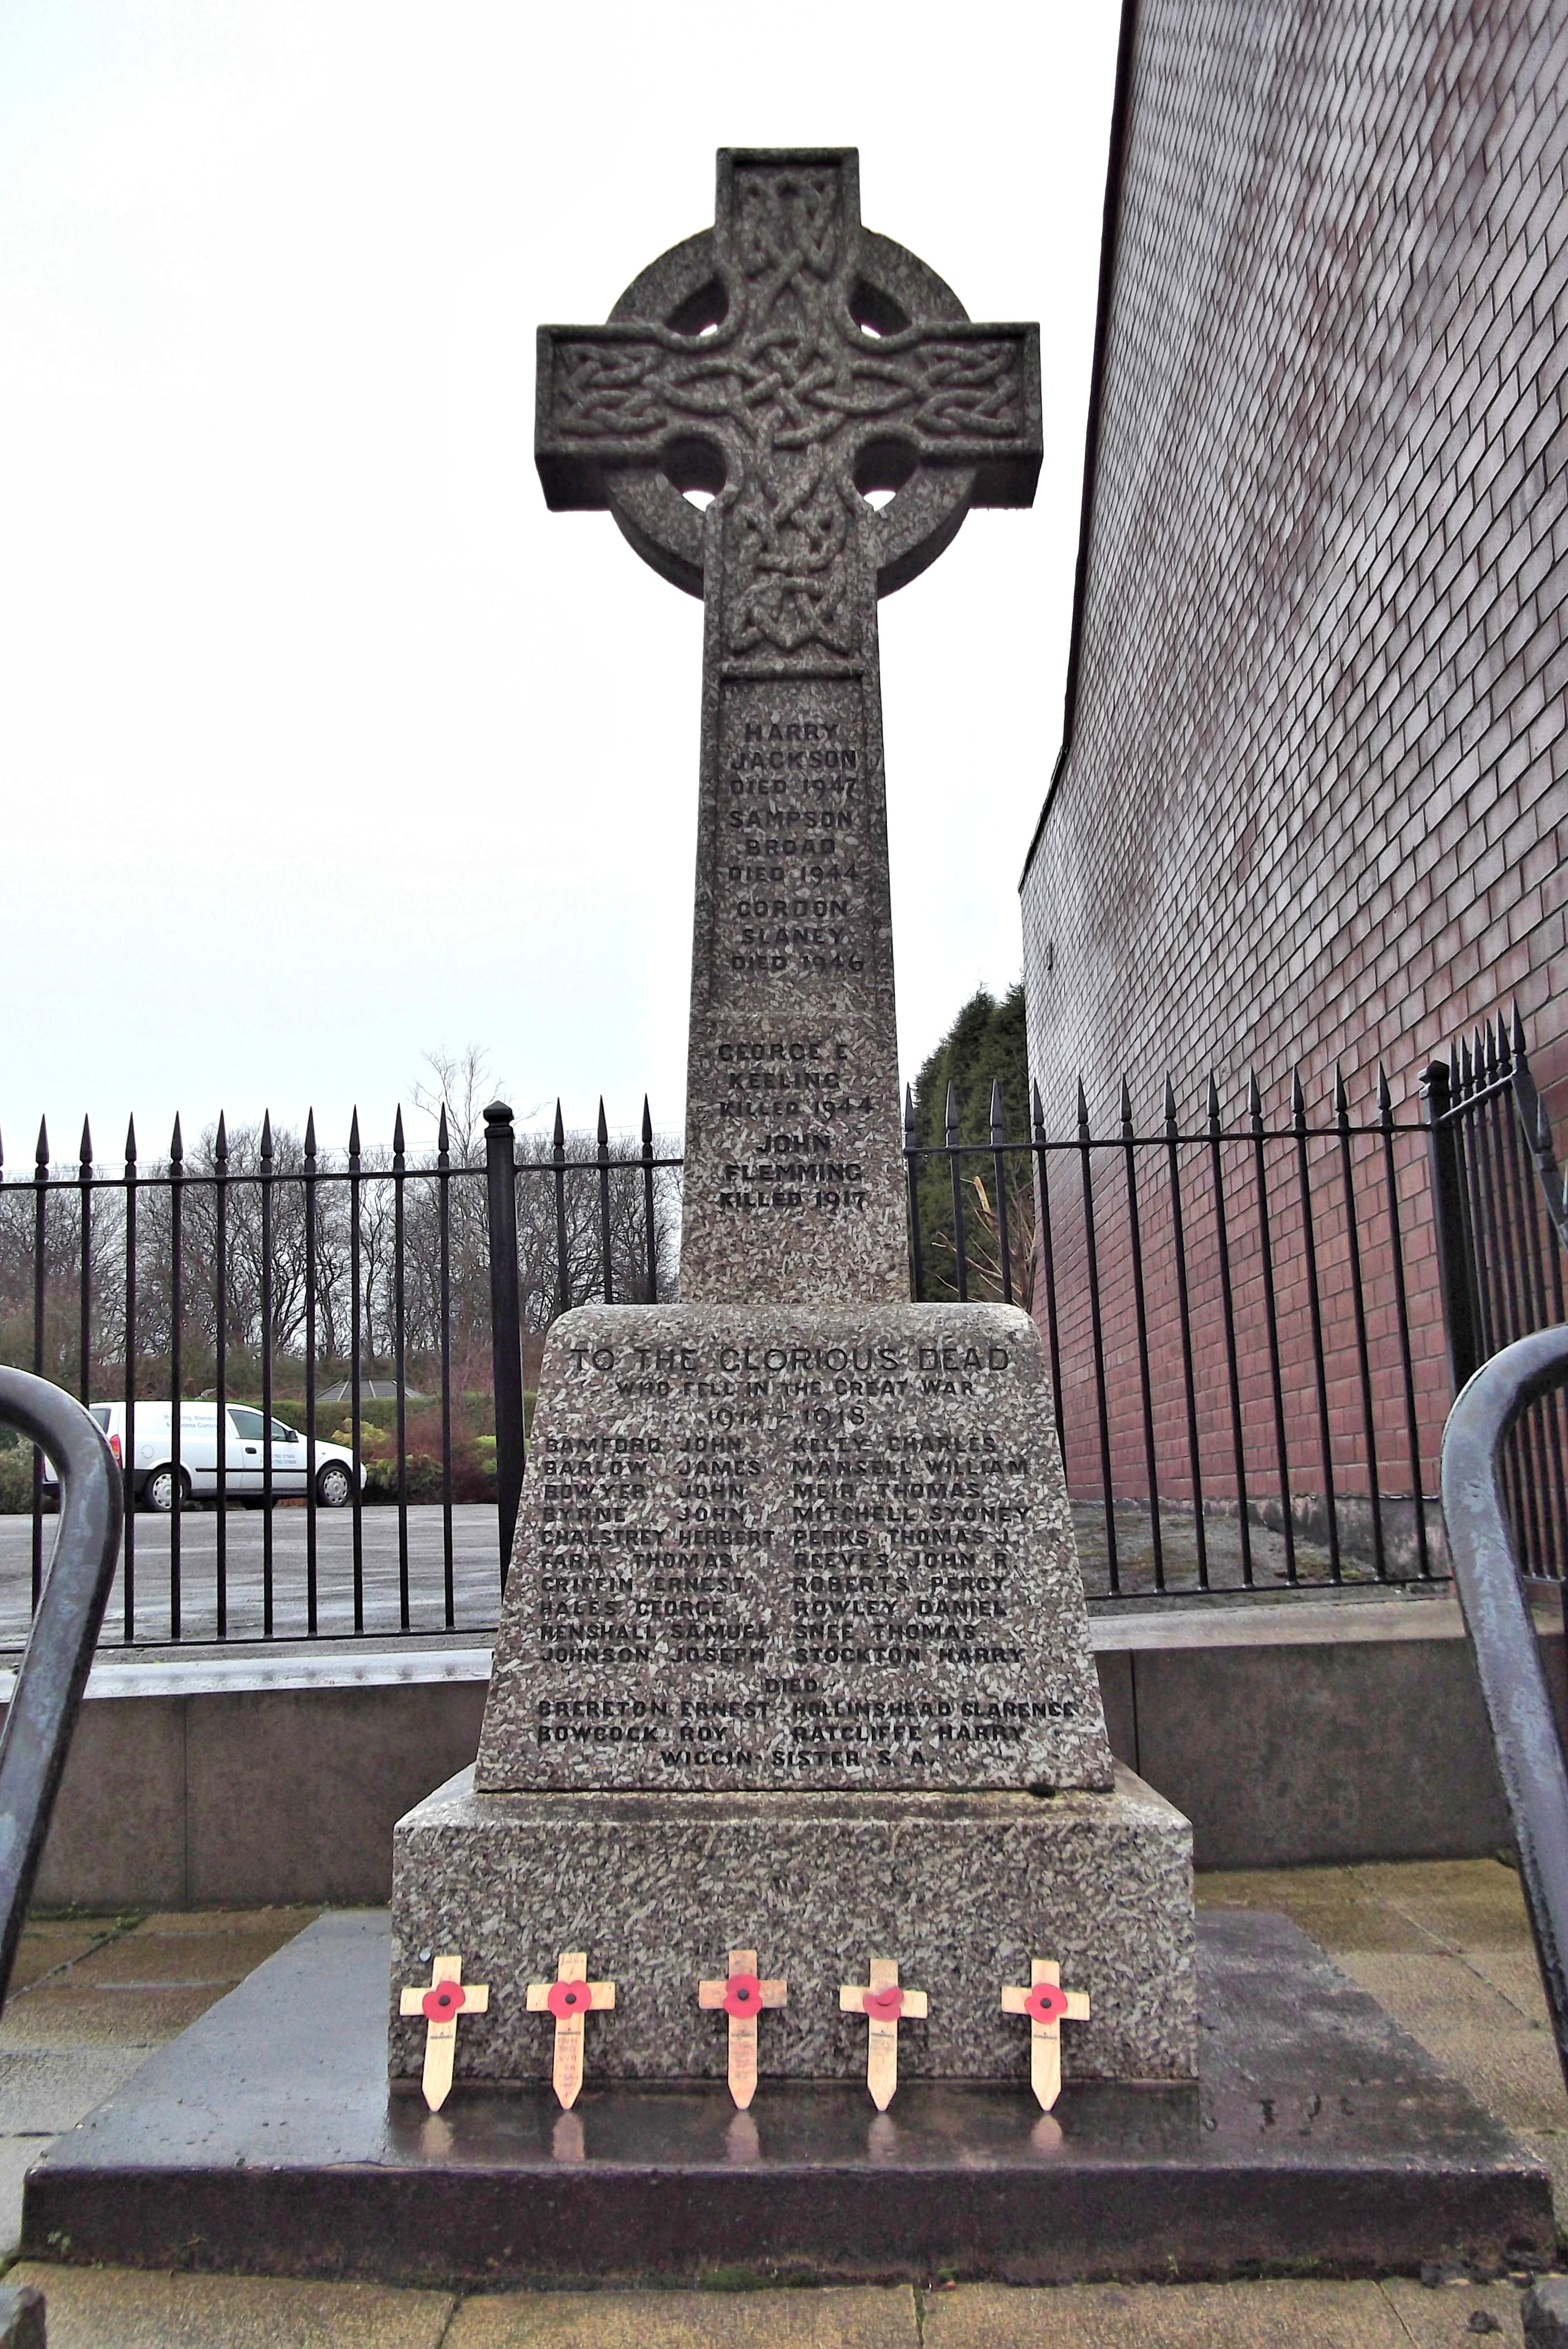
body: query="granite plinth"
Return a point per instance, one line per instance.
(963, 1890)
(266, 2140)
(767, 1545)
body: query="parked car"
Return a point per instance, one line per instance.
(152, 1479)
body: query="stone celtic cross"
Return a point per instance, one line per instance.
(789, 365)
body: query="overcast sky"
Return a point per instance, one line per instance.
(323, 744)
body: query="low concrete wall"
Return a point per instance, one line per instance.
(281, 1783)
(1312, 1730)
(1315, 1731)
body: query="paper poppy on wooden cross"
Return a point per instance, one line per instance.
(447, 1997)
(884, 2004)
(569, 1997)
(1047, 2006)
(743, 1998)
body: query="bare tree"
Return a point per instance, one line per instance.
(578, 1195)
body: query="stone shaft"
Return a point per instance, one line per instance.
(793, 1186)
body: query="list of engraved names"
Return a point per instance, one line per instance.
(798, 899)
(806, 1557)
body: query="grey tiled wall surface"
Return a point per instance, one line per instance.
(1313, 806)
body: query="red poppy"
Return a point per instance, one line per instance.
(742, 1995)
(1045, 2002)
(447, 1999)
(883, 2005)
(568, 1998)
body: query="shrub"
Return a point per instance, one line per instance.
(16, 1481)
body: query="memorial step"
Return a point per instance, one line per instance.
(266, 2140)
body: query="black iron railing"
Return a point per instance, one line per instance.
(1240, 1316)
(1246, 1365)
(1500, 1229)
(349, 1294)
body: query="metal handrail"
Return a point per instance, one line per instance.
(53, 1673)
(1512, 1683)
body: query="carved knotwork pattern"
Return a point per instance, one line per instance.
(787, 386)
(787, 390)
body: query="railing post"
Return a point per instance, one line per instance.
(650, 1229)
(506, 1321)
(1455, 1274)
(912, 1185)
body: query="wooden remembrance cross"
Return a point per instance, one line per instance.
(788, 362)
(570, 1998)
(441, 2002)
(1047, 2006)
(743, 1998)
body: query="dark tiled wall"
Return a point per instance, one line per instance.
(1313, 804)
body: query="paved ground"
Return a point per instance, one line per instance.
(1443, 1944)
(476, 1572)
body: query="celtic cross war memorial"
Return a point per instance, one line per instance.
(794, 1921)
(794, 1653)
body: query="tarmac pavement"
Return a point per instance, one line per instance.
(476, 1572)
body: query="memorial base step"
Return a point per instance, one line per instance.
(962, 1891)
(266, 2140)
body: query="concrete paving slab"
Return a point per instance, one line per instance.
(43, 1947)
(147, 1960)
(1515, 2075)
(1444, 2317)
(15, 2154)
(280, 1922)
(1163, 2316)
(1435, 1991)
(46, 2089)
(866, 2316)
(117, 2308)
(1326, 1902)
(1470, 1903)
(1516, 1976)
(52, 2017)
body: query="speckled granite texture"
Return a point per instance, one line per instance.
(763, 1546)
(962, 1890)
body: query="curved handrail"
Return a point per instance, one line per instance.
(42, 1714)
(1512, 1682)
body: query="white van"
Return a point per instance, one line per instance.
(152, 1481)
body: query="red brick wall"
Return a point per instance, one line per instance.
(1311, 805)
